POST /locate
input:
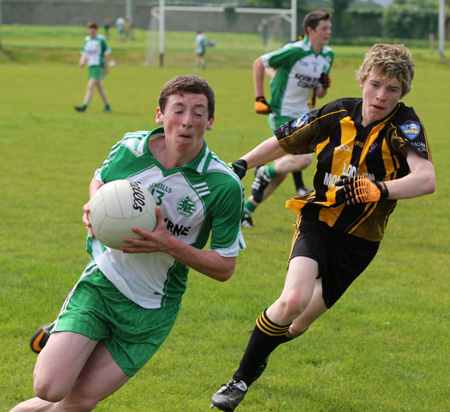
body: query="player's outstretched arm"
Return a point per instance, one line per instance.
(208, 262)
(265, 152)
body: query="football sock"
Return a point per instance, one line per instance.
(249, 207)
(270, 172)
(266, 336)
(298, 180)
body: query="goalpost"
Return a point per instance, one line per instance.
(157, 17)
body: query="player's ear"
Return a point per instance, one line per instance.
(210, 123)
(159, 117)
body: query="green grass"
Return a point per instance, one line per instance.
(383, 347)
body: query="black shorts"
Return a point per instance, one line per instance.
(341, 257)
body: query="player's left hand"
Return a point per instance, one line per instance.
(325, 80)
(360, 189)
(157, 241)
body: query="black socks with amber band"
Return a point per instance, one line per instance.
(266, 336)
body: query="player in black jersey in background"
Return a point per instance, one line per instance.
(371, 151)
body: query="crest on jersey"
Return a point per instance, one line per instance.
(411, 130)
(300, 121)
(186, 206)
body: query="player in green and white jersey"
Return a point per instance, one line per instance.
(126, 301)
(95, 54)
(199, 198)
(200, 50)
(300, 72)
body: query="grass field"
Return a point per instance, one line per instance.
(383, 347)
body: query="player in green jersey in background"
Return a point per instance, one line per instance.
(126, 301)
(371, 151)
(300, 73)
(200, 50)
(95, 54)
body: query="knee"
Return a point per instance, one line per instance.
(304, 161)
(48, 391)
(293, 306)
(71, 401)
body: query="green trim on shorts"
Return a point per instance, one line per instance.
(96, 72)
(95, 308)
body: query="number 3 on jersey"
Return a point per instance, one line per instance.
(158, 195)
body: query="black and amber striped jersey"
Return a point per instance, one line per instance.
(344, 147)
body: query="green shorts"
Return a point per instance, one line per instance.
(96, 72)
(96, 309)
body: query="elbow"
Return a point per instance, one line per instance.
(224, 276)
(224, 269)
(257, 62)
(429, 185)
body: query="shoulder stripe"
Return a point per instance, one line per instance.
(202, 189)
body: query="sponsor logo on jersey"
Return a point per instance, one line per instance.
(176, 229)
(300, 121)
(186, 206)
(420, 146)
(306, 82)
(330, 179)
(160, 186)
(411, 130)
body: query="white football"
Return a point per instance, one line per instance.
(117, 207)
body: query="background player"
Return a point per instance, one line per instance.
(370, 153)
(95, 54)
(200, 50)
(301, 74)
(126, 301)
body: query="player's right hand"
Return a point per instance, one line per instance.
(261, 106)
(239, 167)
(85, 219)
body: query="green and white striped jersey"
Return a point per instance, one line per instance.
(95, 50)
(200, 44)
(199, 201)
(298, 73)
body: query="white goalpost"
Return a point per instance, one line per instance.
(157, 18)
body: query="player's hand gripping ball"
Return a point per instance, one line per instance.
(357, 190)
(261, 106)
(325, 80)
(117, 207)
